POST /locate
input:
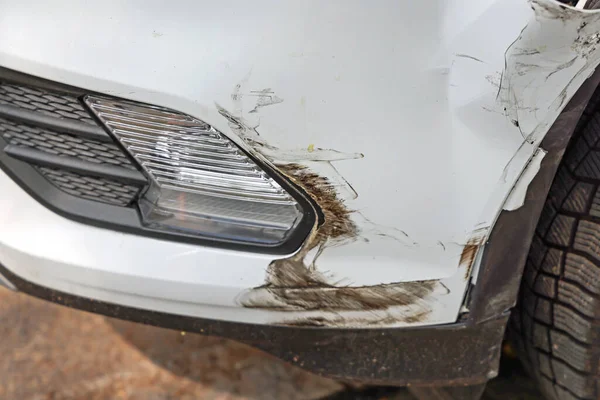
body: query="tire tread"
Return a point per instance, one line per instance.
(556, 324)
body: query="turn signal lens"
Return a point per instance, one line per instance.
(201, 183)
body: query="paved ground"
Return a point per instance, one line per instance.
(51, 352)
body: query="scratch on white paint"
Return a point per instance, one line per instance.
(550, 59)
(309, 156)
(516, 198)
(555, 52)
(265, 97)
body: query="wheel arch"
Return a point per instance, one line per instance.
(503, 259)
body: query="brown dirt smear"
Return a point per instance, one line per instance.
(339, 321)
(378, 297)
(467, 257)
(293, 283)
(333, 226)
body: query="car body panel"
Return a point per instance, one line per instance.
(420, 117)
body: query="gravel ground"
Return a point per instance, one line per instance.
(51, 352)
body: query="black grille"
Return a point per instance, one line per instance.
(52, 104)
(88, 187)
(53, 132)
(62, 144)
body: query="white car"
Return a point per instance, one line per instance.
(353, 186)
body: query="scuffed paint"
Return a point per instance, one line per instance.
(471, 249)
(429, 120)
(324, 298)
(345, 306)
(311, 154)
(543, 67)
(264, 98)
(295, 283)
(516, 198)
(549, 60)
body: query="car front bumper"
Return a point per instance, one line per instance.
(143, 280)
(136, 271)
(194, 288)
(445, 355)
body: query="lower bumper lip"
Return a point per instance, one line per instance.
(6, 283)
(388, 356)
(46, 249)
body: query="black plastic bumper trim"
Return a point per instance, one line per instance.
(60, 125)
(455, 354)
(41, 158)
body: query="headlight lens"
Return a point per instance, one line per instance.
(201, 182)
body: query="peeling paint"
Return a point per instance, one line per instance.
(516, 198)
(274, 154)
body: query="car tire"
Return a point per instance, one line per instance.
(556, 324)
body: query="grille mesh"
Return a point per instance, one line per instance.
(56, 105)
(65, 107)
(62, 144)
(91, 188)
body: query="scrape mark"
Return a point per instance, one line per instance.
(467, 257)
(562, 66)
(516, 198)
(365, 298)
(494, 79)
(469, 57)
(334, 227)
(275, 154)
(369, 228)
(558, 38)
(265, 97)
(294, 284)
(526, 52)
(347, 322)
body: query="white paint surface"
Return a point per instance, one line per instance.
(414, 86)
